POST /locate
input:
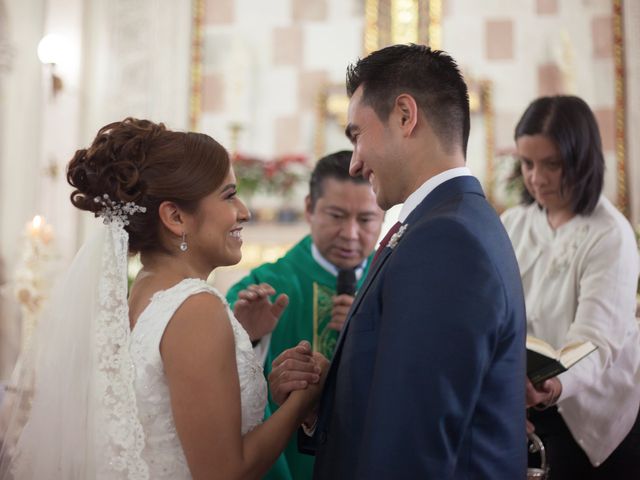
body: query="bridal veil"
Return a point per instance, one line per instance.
(73, 407)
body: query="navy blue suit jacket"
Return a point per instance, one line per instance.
(428, 376)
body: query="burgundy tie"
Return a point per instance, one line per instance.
(385, 240)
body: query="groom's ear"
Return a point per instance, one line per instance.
(172, 218)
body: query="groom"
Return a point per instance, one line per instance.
(427, 380)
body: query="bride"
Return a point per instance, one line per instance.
(166, 386)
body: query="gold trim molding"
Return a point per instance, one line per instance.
(622, 200)
(486, 107)
(195, 100)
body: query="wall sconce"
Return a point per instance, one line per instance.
(50, 51)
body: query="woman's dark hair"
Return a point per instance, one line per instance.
(570, 124)
(143, 162)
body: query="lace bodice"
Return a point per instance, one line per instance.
(163, 452)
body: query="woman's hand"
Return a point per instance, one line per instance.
(256, 313)
(294, 369)
(542, 396)
(545, 394)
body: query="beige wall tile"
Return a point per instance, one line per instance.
(315, 10)
(287, 46)
(212, 93)
(287, 133)
(447, 8)
(309, 84)
(602, 37)
(607, 123)
(499, 39)
(219, 12)
(546, 7)
(505, 126)
(549, 79)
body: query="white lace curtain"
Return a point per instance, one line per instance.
(9, 328)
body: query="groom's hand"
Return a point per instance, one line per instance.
(293, 369)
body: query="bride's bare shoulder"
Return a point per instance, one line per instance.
(202, 314)
(143, 289)
(198, 333)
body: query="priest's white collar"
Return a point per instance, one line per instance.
(330, 267)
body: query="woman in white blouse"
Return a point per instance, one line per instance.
(579, 266)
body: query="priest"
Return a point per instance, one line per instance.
(306, 294)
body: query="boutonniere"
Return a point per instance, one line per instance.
(395, 238)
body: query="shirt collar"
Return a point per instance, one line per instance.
(330, 267)
(427, 187)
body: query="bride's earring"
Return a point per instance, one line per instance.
(183, 244)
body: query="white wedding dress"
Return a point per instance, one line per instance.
(162, 451)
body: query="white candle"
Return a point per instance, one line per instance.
(39, 230)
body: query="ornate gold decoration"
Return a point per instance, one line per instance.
(622, 200)
(370, 26)
(388, 22)
(481, 104)
(332, 104)
(195, 107)
(404, 21)
(486, 106)
(434, 32)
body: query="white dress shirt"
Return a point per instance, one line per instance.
(580, 284)
(427, 187)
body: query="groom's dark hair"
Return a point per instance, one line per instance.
(431, 77)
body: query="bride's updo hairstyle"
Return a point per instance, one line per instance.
(142, 162)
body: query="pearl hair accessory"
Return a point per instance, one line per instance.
(115, 210)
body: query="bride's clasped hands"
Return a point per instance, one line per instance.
(298, 374)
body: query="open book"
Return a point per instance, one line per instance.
(544, 362)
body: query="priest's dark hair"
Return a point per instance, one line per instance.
(334, 165)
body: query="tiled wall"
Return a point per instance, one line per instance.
(265, 62)
(528, 48)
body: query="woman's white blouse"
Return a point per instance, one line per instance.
(580, 283)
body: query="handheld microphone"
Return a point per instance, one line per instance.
(346, 282)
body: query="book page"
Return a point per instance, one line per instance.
(573, 352)
(542, 347)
